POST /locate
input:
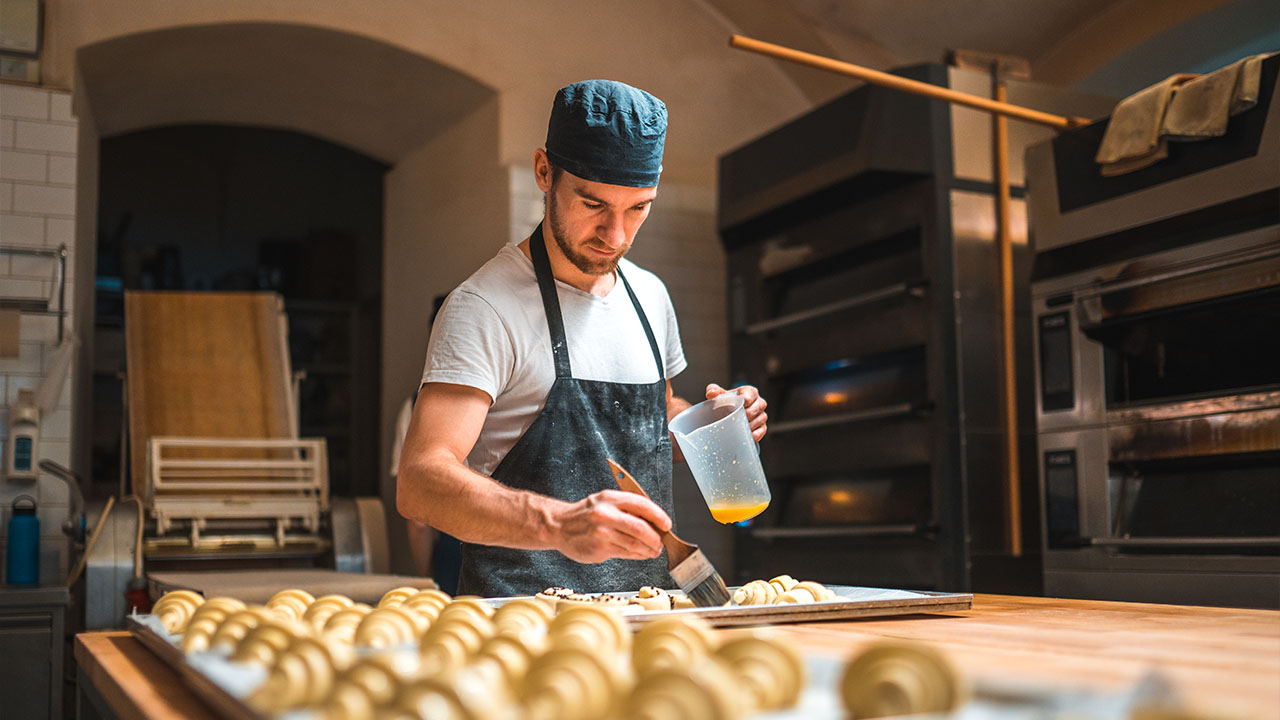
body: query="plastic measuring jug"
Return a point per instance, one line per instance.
(715, 437)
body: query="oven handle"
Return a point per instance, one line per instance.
(880, 413)
(1089, 310)
(913, 289)
(895, 530)
(1156, 542)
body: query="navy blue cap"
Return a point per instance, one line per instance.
(609, 132)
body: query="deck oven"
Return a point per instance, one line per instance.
(1156, 310)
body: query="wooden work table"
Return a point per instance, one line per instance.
(1225, 662)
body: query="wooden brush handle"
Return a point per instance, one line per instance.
(624, 479)
(677, 549)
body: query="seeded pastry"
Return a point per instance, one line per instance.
(551, 596)
(653, 598)
(572, 599)
(612, 602)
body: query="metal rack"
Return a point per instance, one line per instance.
(36, 306)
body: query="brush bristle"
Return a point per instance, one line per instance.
(710, 592)
(699, 580)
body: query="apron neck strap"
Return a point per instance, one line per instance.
(555, 321)
(644, 321)
(550, 302)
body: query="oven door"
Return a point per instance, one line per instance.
(1158, 394)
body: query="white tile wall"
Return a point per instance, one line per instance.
(24, 102)
(37, 210)
(48, 136)
(59, 232)
(62, 169)
(60, 107)
(44, 200)
(21, 230)
(24, 166)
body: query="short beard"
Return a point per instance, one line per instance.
(585, 264)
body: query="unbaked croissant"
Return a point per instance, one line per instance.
(756, 592)
(396, 596)
(771, 671)
(704, 691)
(319, 612)
(591, 628)
(671, 642)
(291, 603)
(900, 678)
(521, 614)
(175, 608)
(573, 683)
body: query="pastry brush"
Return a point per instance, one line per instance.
(688, 566)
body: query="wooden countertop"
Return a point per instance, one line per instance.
(134, 683)
(1225, 662)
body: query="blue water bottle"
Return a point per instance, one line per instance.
(23, 560)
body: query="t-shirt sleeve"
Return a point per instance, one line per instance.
(470, 345)
(673, 350)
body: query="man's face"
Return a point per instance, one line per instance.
(593, 223)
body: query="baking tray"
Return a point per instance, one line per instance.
(214, 694)
(851, 602)
(221, 684)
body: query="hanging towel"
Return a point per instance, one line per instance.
(1141, 125)
(1132, 140)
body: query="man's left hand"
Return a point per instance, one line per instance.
(751, 402)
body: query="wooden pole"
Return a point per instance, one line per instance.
(1008, 378)
(876, 77)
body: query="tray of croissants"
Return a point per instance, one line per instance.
(556, 655)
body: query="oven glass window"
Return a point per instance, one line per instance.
(1208, 349)
(1221, 497)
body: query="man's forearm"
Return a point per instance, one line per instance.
(447, 495)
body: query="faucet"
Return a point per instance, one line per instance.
(73, 526)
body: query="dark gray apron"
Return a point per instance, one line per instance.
(562, 455)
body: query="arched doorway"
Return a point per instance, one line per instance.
(280, 88)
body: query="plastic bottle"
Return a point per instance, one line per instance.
(24, 438)
(22, 565)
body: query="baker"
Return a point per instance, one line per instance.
(553, 356)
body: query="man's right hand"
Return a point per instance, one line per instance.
(610, 524)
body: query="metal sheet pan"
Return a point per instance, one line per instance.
(227, 705)
(852, 603)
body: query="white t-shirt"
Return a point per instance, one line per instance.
(492, 334)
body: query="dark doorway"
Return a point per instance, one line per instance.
(237, 209)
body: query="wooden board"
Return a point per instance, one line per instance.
(203, 364)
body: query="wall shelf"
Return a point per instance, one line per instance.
(55, 304)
